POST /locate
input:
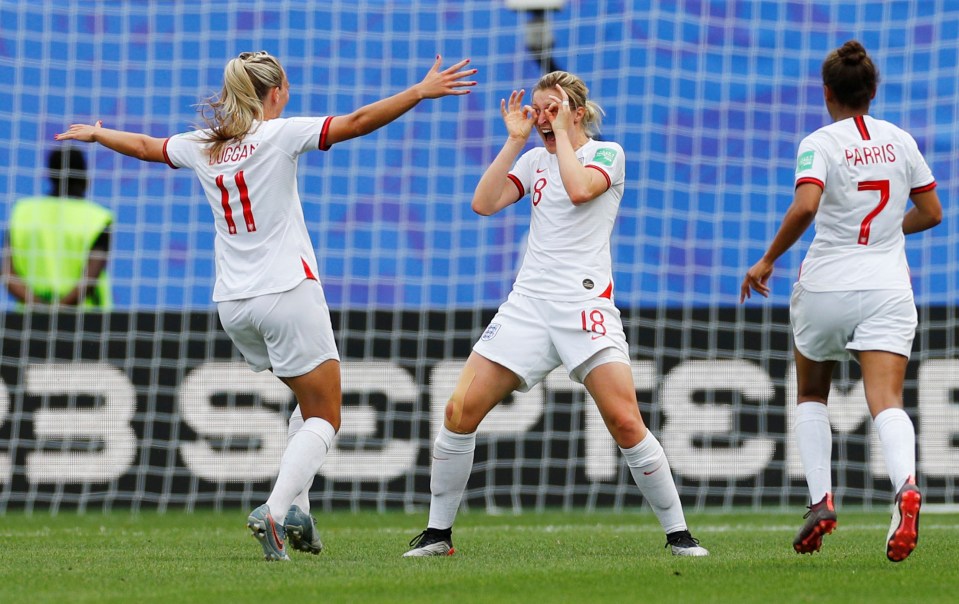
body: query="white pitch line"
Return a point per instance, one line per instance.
(630, 528)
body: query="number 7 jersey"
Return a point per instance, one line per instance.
(867, 169)
(262, 245)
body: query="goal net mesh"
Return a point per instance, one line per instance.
(149, 404)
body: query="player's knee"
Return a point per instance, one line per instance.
(323, 408)
(457, 418)
(626, 429)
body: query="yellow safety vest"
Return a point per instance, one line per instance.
(50, 241)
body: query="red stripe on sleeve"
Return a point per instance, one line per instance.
(518, 184)
(323, 146)
(166, 156)
(609, 183)
(812, 181)
(923, 189)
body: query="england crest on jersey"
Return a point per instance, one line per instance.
(491, 331)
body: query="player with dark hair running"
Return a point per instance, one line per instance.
(853, 296)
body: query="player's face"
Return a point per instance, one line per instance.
(544, 108)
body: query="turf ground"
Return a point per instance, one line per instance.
(549, 557)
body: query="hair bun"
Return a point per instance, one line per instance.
(852, 53)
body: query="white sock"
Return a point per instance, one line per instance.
(814, 440)
(296, 422)
(305, 453)
(650, 469)
(897, 436)
(452, 464)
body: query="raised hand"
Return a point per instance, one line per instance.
(518, 118)
(558, 112)
(79, 132)
(449, 81)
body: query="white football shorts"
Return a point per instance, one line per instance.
(828, 325)
(289, 332)
(531, 337)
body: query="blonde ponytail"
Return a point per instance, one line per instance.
(247, 80)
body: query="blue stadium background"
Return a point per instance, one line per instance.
(709, 99)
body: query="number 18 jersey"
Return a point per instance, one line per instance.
(262, 245)
(867, 169)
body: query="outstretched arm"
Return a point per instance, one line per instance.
(140, 146)
(797, 219)
(370, 117)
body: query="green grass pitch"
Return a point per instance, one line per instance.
(534, 557)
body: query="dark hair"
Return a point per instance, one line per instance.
(850, 74)
(67, 172)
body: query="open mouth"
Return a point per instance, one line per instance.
(547, 134)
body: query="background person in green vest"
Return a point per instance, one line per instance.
(57, 246)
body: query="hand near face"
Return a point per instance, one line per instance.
(518, 118)
(558, 112)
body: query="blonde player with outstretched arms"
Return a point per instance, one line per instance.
(561, 309)
(854, 297)
(267, 290)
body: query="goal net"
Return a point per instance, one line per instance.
(149, 404)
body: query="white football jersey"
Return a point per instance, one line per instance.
(867, 169)
(568, 253)
(262, 245)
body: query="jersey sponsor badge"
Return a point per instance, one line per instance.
(490, 332)
(588, 284)
(805, 161)
(605, 156)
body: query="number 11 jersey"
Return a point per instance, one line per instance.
(262, 245)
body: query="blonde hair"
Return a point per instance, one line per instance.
(578, 97)
(247, 80)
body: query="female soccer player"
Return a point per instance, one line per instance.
(561, 309)
(267, 290)
(854, 297)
